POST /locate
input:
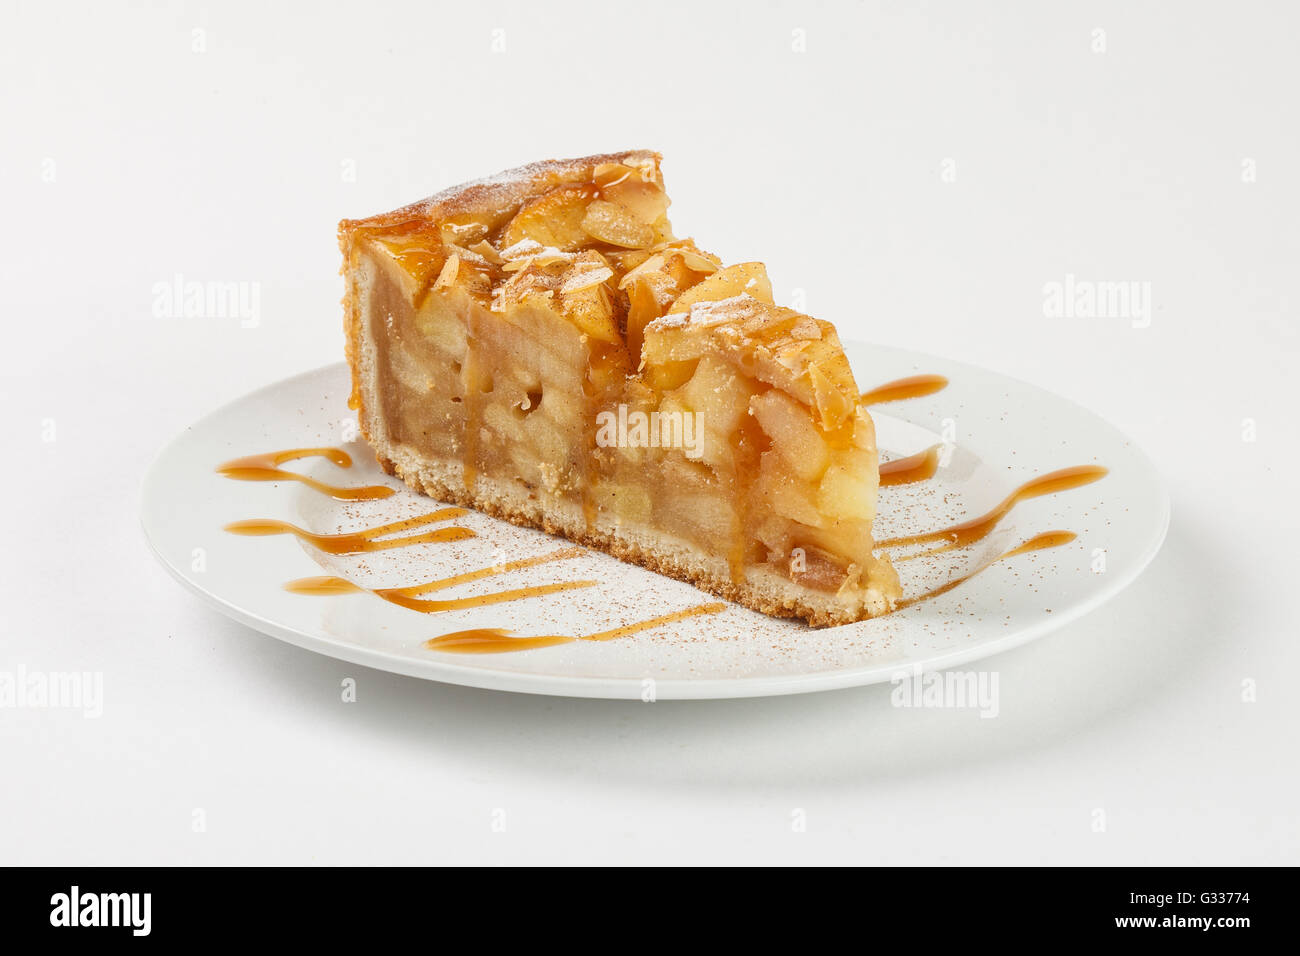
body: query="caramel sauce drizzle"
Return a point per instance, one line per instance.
(976, 529)
(1048, 539)
(265, 467)
(914, 386)
(323, 585)
(441, 583)
(401, 599)
(409, 597)
(356, 542)
(492, 640)
(909, 470)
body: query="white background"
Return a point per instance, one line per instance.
(129, 157)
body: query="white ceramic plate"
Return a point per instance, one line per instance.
(999, 433)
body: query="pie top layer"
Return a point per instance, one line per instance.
(494, 196)
(593, 236)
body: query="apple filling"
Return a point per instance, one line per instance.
(569, 348)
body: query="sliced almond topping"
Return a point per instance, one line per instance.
(521, 249)
(450, 269)
(485, 249)
(654, 264)
(697, 262)
(528, 252)
(707, 315)
(578, 279)
(651, 279)
(528, 282)
(610, 174)
(646, 168)
(466, 255)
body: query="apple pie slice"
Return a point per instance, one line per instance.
(540, 346)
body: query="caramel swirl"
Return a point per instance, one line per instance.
(909, 470)
(266, 467)
(976, 529)
(914, 386)
(369, 539)
(1048, 539)
(492, 640)
(409, 597)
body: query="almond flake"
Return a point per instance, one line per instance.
(610, 174)
(484, 249)
(466, 255)
(696, 262)
(521, 249)
(585, 280)
(450, 269)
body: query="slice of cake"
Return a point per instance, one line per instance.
(539, 346)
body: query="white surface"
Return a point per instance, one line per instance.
(225, 165)
(1119, 520)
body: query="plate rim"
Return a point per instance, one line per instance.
(669, 688)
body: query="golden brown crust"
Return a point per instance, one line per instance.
(351, 321)
(498, 193)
